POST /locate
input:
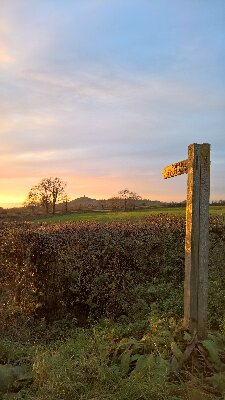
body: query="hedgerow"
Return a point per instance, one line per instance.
(113, 270)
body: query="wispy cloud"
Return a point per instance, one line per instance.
(112, 91)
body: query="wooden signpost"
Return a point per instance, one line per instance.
(197, 166)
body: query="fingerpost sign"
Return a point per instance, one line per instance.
(197, 167)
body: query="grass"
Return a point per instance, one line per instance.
(113, 361)
(109, 216)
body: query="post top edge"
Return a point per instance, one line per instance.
(199, 144)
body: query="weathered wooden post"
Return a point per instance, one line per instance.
(197, 231)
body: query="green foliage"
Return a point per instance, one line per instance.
(134, 216)
(93, 365)
(110, 216)
(14, 352)
(218, 381)
(113, 361)
(213, 350)
(216, 274)
(86, 269)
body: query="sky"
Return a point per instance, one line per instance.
(105, 93)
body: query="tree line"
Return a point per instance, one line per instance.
(50, 191)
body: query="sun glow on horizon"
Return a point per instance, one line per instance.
(6, 201)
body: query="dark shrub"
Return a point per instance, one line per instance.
(102, 270)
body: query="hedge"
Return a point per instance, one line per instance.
(84, 269)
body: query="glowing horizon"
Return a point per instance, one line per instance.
(87, 187)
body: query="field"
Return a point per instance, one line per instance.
(92, 309)
(109, 216)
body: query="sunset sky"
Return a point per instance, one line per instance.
(105, 93)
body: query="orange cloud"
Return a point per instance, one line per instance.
(5, 58)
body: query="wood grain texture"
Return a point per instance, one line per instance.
(203, 241)
(196, 242)
(192, 239)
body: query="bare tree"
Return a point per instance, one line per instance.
(124, 194)
(115, 203)
(133, 197)
(128, 196)
(65, 200)
(32, 201)
(47, 193)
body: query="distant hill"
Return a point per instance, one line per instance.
(87, 203)
(83, 202)
(115, 203)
